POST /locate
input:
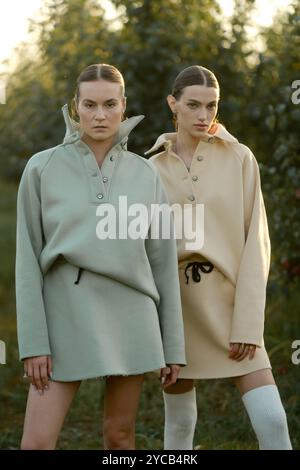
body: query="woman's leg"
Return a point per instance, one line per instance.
(263, 404)
(45, 415)
(122, 394)
(180, 415)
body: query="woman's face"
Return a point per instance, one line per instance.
(100, 107)
(196, 109)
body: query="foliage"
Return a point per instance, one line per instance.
(71, 34)
(151, 41)
(275, 124)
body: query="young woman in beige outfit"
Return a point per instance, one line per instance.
(223, 280)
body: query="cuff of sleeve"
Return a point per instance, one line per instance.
(240, 339)
(175, 359)
(34, 354)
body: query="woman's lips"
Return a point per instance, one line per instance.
(201, 126)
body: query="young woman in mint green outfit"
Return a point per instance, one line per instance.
(90, 307)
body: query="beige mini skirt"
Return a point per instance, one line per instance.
(207, 307)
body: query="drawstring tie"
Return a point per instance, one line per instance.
(78, 275)
(197, 266)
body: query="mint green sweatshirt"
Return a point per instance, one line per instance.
(58, 195)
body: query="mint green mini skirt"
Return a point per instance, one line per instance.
(99, 327)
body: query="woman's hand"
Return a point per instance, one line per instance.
(168, 375)
(38, 369)
(238, 351)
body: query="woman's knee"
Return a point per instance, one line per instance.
(118, 434)
(276, 419)
(37, 443)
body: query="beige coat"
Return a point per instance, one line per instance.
(224, 176)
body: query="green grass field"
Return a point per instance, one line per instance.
(222, 421)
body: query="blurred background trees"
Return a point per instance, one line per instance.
(70, 34)
(275, 131)
(150, 42)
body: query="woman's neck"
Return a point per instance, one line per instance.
(99, 148)
(186, 144)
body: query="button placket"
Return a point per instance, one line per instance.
(97, 187)
(199, 155)
(193, 179)
(194, 167)
(186, 178)
(108, 168)
(197, 164)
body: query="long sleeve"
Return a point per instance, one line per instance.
(162, 254)
(31, 319)
(250, 297)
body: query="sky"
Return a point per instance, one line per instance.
(14, 15)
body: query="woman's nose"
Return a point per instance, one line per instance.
(100, 113)
(202, 114)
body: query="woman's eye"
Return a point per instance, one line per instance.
(211, 106)
(111, 105)
(88, 105)
(192, 105)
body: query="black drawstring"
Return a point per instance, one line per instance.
(78, 275)
(197, 266)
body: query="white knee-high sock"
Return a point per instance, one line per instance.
(268, 418)
(180, 420)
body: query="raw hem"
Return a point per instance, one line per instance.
(206, 377)
(105, 376)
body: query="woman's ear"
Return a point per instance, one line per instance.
(74, 109)
(172, 103)
(124, 104)
(124, 109)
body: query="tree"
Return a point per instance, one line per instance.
(277, 124)
(71, 35)
(157, 40)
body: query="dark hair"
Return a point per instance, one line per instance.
(193, 75)
(96, 72)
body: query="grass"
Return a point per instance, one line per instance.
(222, 421)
